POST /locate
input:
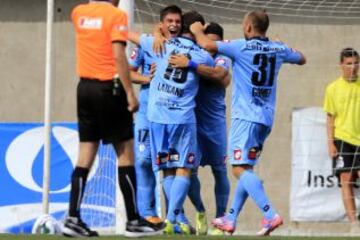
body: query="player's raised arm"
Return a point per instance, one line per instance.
(302, 59)
(159, 40)
(294, 57)
(197, 29)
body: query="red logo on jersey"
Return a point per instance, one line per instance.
(237, 154)
(161, 158)
(254, 153)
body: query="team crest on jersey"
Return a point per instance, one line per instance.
(191, 158)
(134, 53)
(254, 153)
(226, 40)
(161, 158)
(237, 154)
(90, 23)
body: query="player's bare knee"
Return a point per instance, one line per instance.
(169, 172)
(237, 170)
(186, 172)
(346, 178)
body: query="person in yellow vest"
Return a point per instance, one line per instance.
(342, 105)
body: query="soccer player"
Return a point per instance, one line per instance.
(172, 117)
(211, 126)
(256, 64)
(104, 110)
(170, 19)
(342, 104)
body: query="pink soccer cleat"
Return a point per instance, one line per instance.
(223, 224)
(269, 225)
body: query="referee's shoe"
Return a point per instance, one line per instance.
(75, 227)
(142, 228)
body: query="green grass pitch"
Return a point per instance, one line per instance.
(47, 237)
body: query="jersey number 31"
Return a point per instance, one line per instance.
(261, 77)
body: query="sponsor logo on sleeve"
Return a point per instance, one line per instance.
(134, 53)
(122, 28)
(220, 61)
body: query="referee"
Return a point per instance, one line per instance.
(104, 108)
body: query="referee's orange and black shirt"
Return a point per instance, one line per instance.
(97, 25)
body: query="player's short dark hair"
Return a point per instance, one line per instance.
(215, 28)
(348, 52)
(260, 20)
(190, 18)
(170, 9)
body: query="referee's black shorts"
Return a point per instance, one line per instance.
(348, 159)
(101, 115)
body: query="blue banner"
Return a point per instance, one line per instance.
(21, 176)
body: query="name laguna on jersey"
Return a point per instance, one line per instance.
(164, 87)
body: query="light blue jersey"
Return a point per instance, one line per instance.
(173, 90)
(211, 116)
(210, 101)
(256, 64)
(145, 178)
(142, 59)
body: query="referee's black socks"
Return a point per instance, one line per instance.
(127, 182)
(78, 182)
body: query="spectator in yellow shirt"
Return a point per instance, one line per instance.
(342, 105)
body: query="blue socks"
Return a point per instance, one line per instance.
(181, 218)
(178, 193)
(194, 192)
(222, 191)
(240, 196)
(146, 183)
(254, 187)
(167, 183)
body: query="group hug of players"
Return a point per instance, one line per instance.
(183, 69)
(181, 123)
